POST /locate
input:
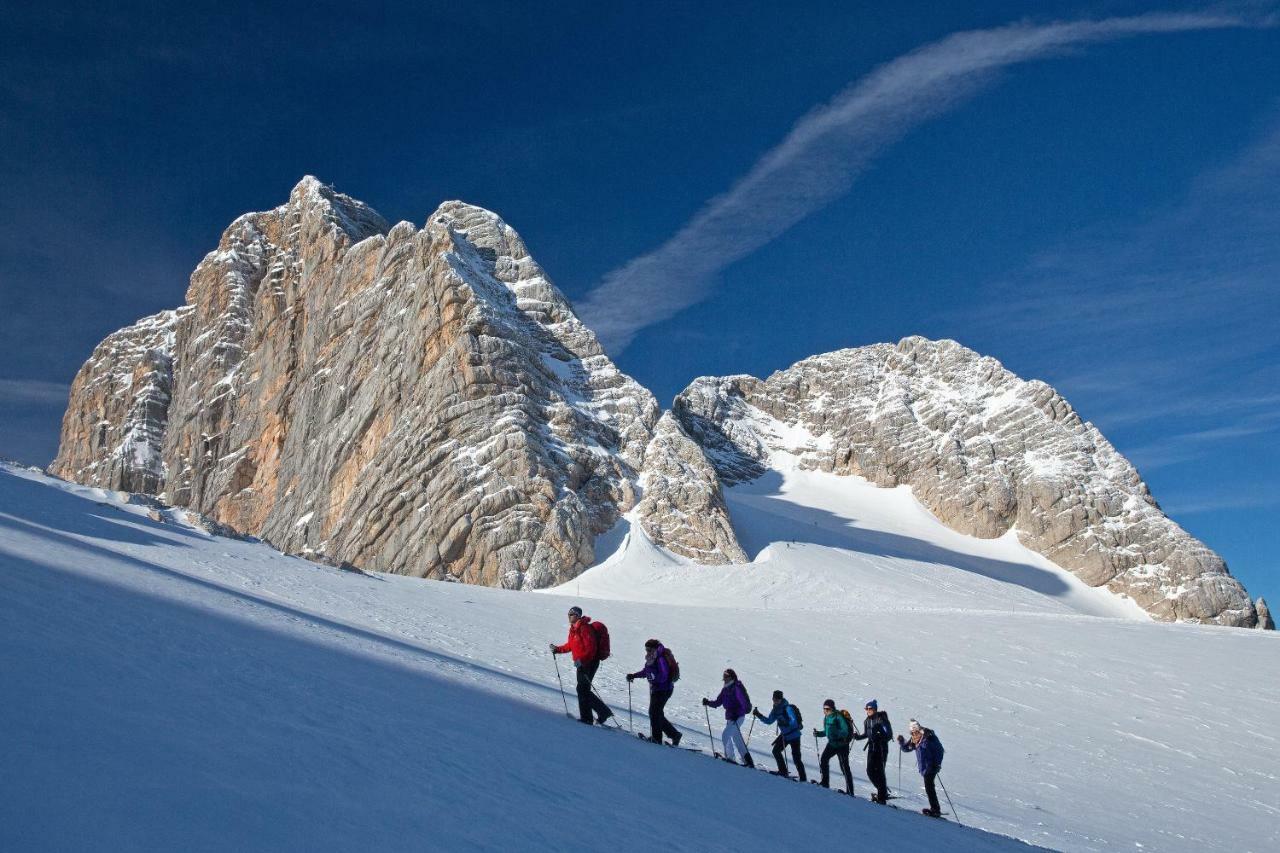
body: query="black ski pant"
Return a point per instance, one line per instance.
(588, 701)
(876, 760)
(930, 791)
(779, 747)
(841, 752)
(659, 725)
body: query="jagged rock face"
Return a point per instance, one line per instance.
(982, 449)
(414, 401)
(683, 506)
(113, 433)
(424, 401)
(1265, 622)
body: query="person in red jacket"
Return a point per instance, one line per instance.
(582, 645)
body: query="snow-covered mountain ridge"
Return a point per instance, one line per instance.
(984, 450)
(426, 402)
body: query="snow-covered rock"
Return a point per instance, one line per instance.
(420, 401)
(113, 431)
(984, 450)
(683, 507)
(426, 402)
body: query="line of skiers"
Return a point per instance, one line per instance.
(588, 643)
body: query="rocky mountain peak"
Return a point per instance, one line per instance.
(312, 198)
(421, 401)
(426, 401)
(984, 450)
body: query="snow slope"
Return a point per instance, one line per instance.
(167, 689)
(840, 543)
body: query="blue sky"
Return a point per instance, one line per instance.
(1094, 205)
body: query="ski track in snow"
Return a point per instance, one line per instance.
(180, 691)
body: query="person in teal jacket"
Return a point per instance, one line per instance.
(787, 716)
(839, 734)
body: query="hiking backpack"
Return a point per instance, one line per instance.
(848, 721)
(673, 668)
(602, 640)
(794, 711)
(881, 727)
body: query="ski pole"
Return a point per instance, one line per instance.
(561, 683)
(899, 771)
(630, 719)
(750, 729)
(949, 803)
(817, 751)
(710, 737)
(606, 704)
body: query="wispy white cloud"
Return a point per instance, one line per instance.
(1197, 502)
(1184, 446)
(824, 153)
(1168, 322)
(33, 392)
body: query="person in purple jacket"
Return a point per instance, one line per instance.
(737, 704)
(657, 668)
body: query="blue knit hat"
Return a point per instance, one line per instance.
(873, 705)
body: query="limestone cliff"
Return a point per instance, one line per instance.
(421, 401)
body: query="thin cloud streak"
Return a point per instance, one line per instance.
(1190, 445)
(32, 391)
(1163, 319)
(1199, 502)
(827, 150)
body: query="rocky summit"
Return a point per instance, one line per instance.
(424, 401)
(420, 401)
(983, 450)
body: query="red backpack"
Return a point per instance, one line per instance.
(602, 640)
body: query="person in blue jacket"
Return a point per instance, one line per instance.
(790, 730)
(928, 749)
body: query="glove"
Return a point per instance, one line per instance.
(755, 712)
(900, 740)
(553, 649)
(706, 701)
(817, 733)
(631, 676)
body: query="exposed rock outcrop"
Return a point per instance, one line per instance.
(113, 431)
(421, 401)
(683, 506)
(1265, 622)
(982, 449)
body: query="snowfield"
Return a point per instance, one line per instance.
(167, 689)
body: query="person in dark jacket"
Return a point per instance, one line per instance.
(787, 716)
(878, 734)
(736, 703)
(924, 743)
(839, 733)
(658, 671)
(582, 645)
